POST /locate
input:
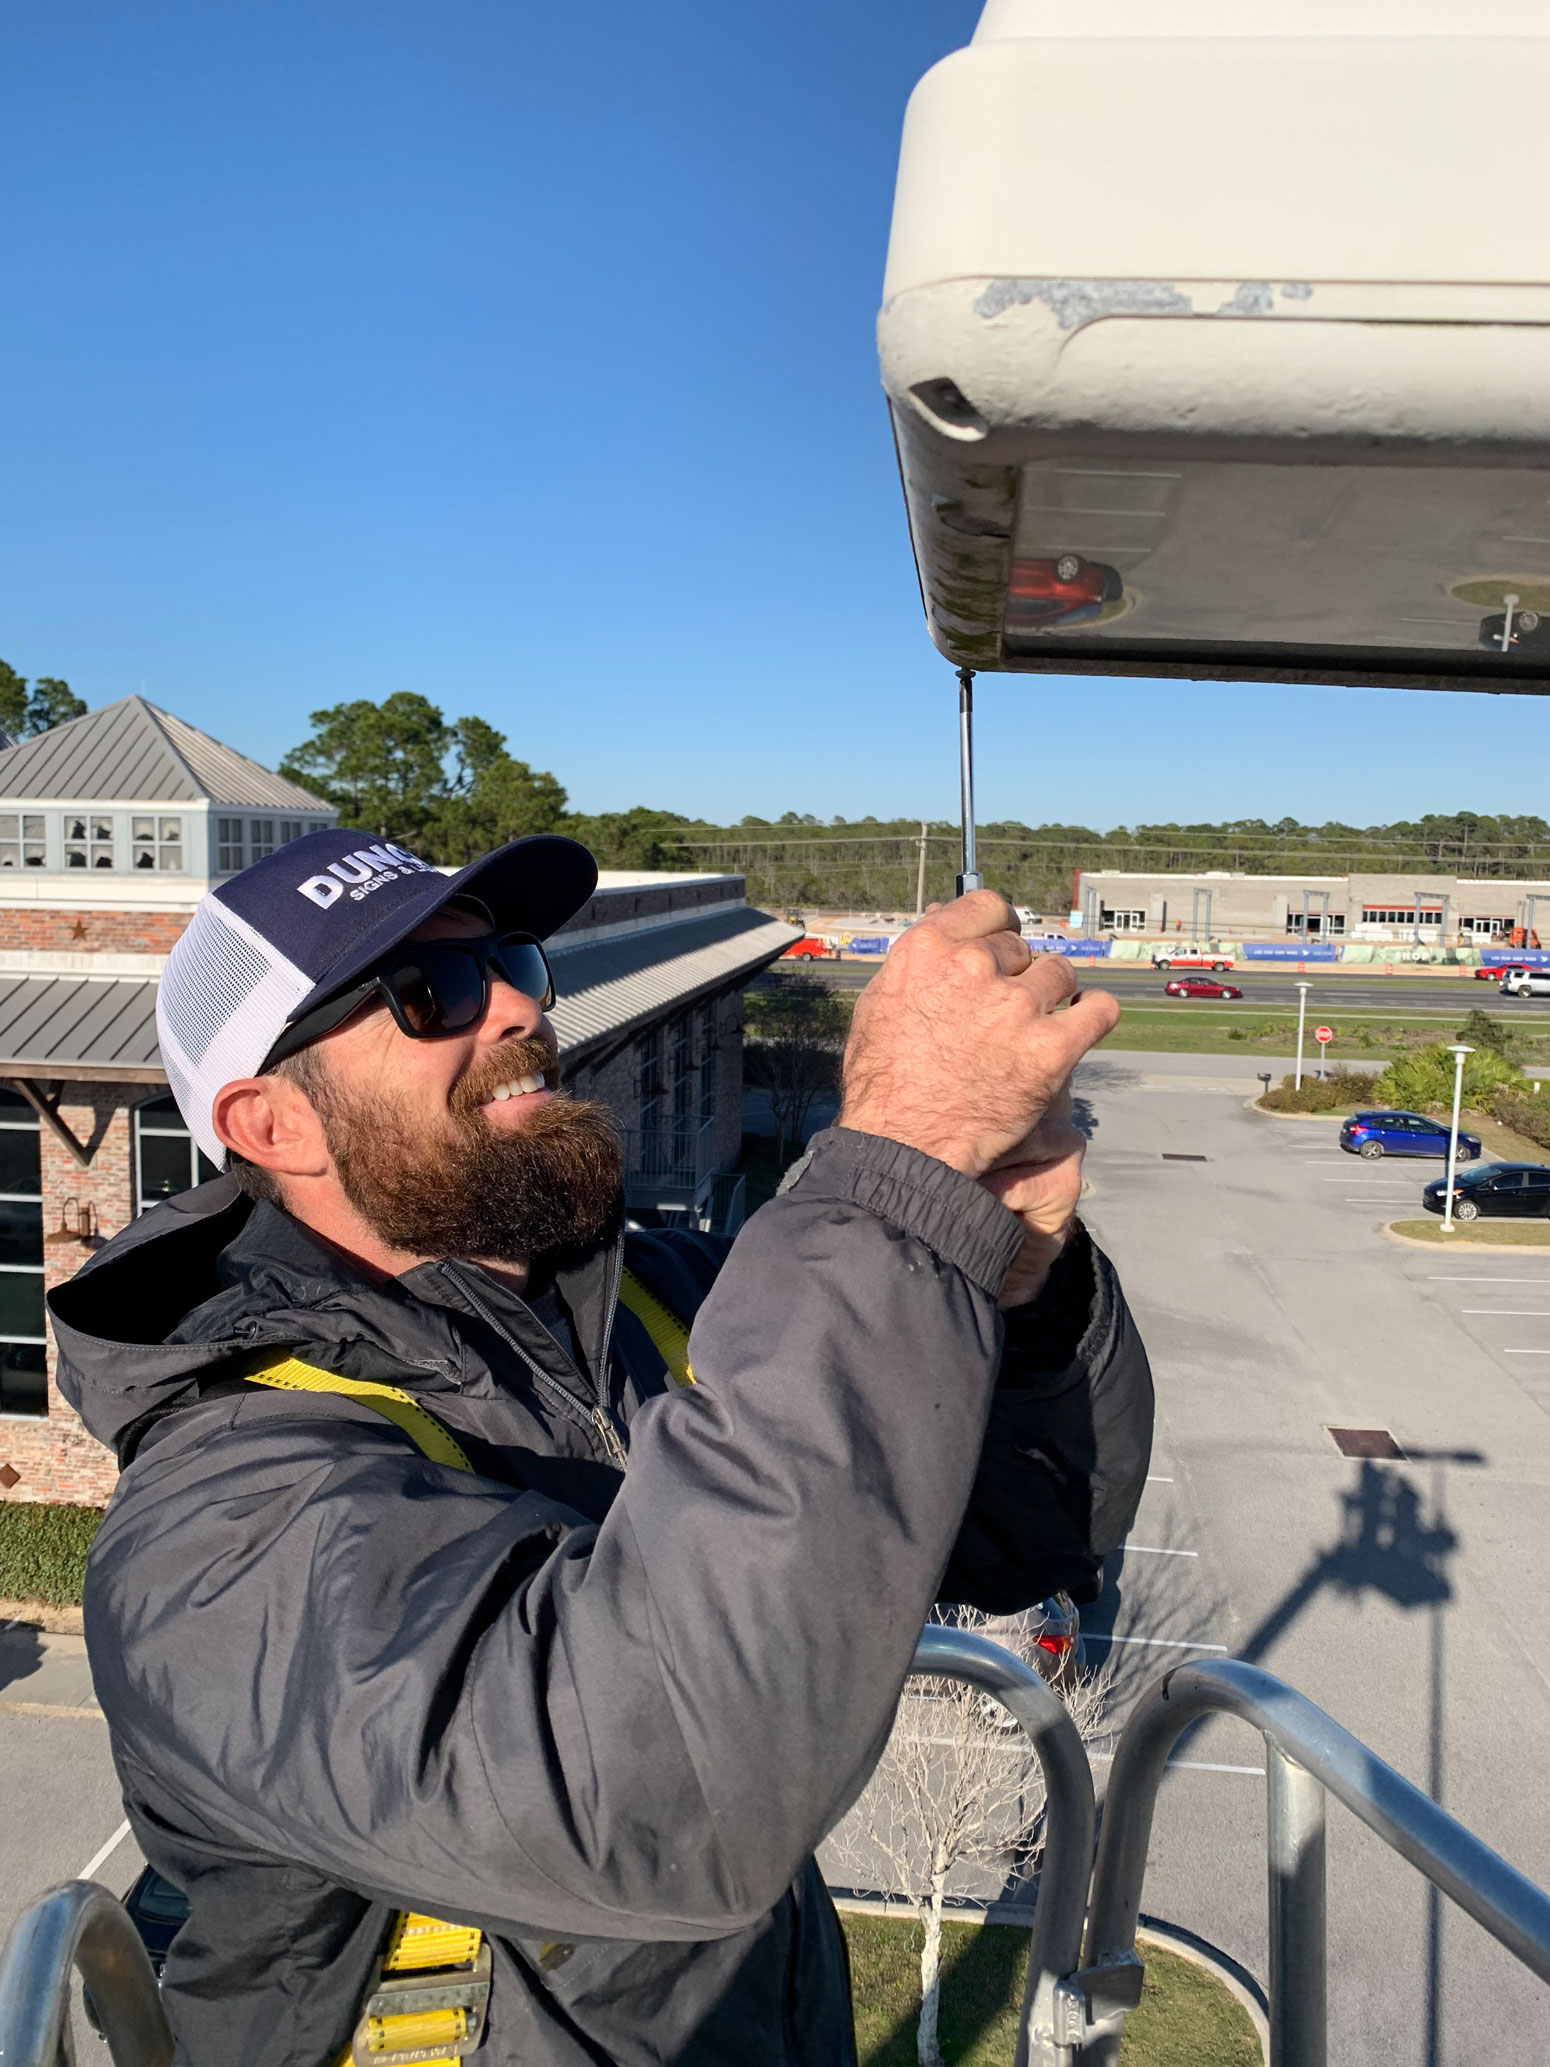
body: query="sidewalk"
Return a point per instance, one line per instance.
(44, 1674)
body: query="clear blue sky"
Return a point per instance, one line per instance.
(523, 356)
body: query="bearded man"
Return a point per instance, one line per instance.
(483, 1667)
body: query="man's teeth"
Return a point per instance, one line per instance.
(520, 1088)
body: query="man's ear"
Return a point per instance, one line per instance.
(269, 1121)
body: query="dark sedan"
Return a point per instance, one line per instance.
(1521, 1190)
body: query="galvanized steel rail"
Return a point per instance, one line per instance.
(79, 1925)
(1307, 1754)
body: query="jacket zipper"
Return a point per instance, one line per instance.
(599, 1420)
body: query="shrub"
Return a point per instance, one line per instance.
(43, 1551)
(1425, 1078)
(1480, 1030)
(1340, 1091)
(1518, 1107)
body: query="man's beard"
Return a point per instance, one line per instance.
(554, 1183)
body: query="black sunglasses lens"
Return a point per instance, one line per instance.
(440, 991)
(521, 963)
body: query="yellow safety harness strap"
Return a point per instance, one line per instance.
(669, 1336)
(423, 1429)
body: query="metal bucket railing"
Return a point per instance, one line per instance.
(1069, 2008)
(79, 1925)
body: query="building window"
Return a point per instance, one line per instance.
(21, 841)
(156, 843)
(88, 842)
(1329, 923)
(166, 1158)
(23, 1346)
(260, 838)
(1121, 921)
(290, 829)
(229, 845)
(1488, 929)
(1400, 915)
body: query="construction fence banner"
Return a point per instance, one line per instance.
(1290, 951)
(1060, 944)
(867, 944)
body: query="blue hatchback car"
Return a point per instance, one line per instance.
(1374, 1134)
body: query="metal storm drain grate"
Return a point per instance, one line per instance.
(1365, 1442)
(1184, 1159)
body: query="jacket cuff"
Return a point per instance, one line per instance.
(956, 1218)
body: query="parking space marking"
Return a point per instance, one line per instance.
(1512, 1313)
(1154, 1643)
(1155, 1478)
(1151, 1550)
(1487, 1281)
(99, 1859)
(1526, 1352)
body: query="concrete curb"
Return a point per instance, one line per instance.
(1267, 1113)
(1453, 1242)
(1150, 1930)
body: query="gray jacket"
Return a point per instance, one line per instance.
(606, 1717)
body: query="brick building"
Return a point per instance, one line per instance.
(112, 827)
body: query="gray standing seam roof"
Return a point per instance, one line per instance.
(75, 1026)
(131, 751)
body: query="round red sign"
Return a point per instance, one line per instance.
(1323, 1033)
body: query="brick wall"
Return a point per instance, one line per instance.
(109, 932)
(55, 1457)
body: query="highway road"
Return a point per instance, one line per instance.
(1262, 987)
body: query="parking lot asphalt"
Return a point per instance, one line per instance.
(1410, 1597)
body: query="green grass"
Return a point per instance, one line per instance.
(1499, 1234)
(43, 1551)
(1361, 1040)
(1186, 2017)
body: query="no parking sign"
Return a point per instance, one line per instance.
(1323, 1035)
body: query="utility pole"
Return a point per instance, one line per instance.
(920, 874)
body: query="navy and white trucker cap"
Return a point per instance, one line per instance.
(304, 923)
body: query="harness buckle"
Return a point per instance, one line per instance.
(414, 2019)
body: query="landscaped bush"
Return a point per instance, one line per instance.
(1341, 1091)
(1516, 1106)
(1425, 1079)
(43, 1551)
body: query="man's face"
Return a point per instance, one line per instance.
(465, 1146)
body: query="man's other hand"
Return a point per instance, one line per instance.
(1040, 1180)
(957, 1047)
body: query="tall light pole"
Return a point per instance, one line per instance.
(920, 877)
(1302, 1014)
(1458, 1052)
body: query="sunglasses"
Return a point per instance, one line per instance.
(433, 989)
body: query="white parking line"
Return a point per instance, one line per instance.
(1155, 1643)
(1512, 1313)
(1526, 1352)
(1486, 1281)
(98, 1859)
(1189, 1765)
(1151, 1550)
(1155, 1478)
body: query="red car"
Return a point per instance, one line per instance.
(1041, 594)
(810, 948)
(1496, 972)
(1199, 987)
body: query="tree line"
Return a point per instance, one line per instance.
(452, 789)
(27, 708)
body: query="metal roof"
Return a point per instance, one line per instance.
(104, 1028)
(622, 983)
(132, 752)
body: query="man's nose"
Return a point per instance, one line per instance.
(510, 1014)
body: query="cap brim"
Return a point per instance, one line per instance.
(532, 885)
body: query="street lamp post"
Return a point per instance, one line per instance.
(1302, 1014)
(1458, 1052)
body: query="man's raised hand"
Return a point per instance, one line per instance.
(957, 1047)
